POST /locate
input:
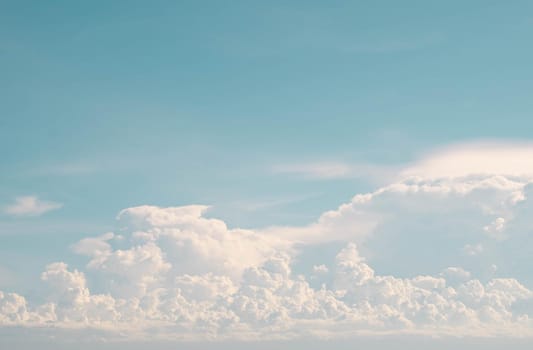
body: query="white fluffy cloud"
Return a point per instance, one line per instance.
(415, 256)
(270, 301)
(30, 206)
(199, 245)
(430, 224)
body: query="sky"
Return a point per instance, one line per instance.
(344, 171)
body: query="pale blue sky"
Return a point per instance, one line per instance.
(272, 112)
(179, 102)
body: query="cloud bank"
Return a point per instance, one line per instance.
(427, 254)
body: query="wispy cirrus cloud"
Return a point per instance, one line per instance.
(317, 170)
(331, 170)
(261, 204)
(479, 157)
(30, 206)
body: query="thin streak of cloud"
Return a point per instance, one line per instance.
(335, 170)
(30, 206)
(254, 205)
(327, 170)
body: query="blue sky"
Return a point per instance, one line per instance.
(272, 113)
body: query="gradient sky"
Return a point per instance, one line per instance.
(270, 112)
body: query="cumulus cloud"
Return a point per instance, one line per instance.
(270, 301)
(415, 256)
(225, 291)
(30, 206)
(94, 245)
(197, 244)
(429, 224)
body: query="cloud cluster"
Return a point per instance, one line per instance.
(425, 225)
(447, 255)
(270, 301)
(187, 276)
